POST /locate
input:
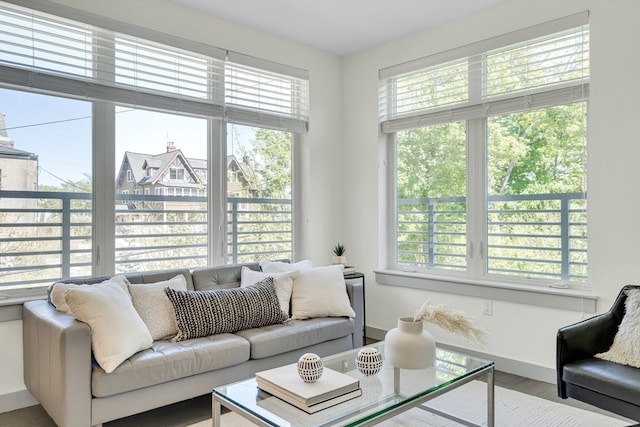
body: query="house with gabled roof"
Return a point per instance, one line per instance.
(173, 174)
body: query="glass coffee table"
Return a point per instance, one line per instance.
(384, 395)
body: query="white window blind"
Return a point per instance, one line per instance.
(49, 53)
(489, 77)
(42, 51)
(265, 93)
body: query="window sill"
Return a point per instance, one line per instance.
(566, 299)
(11, 301)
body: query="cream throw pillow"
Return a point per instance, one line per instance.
(154, 307)
(626, 344)
(58, 290)
(282, 282)
(320, 292)
(282, 267)
(117, 331)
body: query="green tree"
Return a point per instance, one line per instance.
(270, 163)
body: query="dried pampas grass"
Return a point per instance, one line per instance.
(455, 321)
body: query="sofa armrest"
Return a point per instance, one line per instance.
(356, 297)
(57, 363)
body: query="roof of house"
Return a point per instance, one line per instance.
(139, 162)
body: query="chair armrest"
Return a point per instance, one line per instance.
(355, 290)
(583, 340)
(57, 363)
(586, 338)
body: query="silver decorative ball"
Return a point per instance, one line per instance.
(369, 361)
(310, 367)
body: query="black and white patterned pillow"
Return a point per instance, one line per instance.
(204, 313)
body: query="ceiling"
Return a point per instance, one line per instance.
(341, 27)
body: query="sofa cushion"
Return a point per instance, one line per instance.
(204, 313)
(626, 344)
(320, 292)
(610, 378)
(155, 309)
(166, 361)
(296, 334)
(117, 331)
(282, 282)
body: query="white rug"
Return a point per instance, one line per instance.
(512, 409)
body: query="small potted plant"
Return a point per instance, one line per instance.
(338, 254)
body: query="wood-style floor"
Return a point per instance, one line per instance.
(198, 409)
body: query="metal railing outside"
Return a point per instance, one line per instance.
(535, 236)
(47, 236)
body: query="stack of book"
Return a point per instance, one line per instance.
(332, 388)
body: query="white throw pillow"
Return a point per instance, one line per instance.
(154, 307)
(117, 331)
(320, 292)
(58, 290)
(626, 344)
(281, 267)
(282, 282)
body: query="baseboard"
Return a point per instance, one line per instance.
(16, 400)
(511, 366)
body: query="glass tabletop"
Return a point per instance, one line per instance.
(383, 392)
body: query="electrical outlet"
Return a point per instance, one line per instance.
(487, 307)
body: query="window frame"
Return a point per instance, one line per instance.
(103, 124)
(475, 280)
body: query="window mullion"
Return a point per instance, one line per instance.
(476, 198)
(217, 192)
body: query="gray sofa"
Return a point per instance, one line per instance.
(76, 392)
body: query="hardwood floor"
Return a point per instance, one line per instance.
(198, 409)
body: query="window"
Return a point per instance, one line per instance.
(489, 151)
(188, 90)
(176, 174)
(46, 201)
(260, 214)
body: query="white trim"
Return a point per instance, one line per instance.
(16, 400)
(544, 296)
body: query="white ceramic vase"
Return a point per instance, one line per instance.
(409, 346)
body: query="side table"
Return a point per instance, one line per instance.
(360, 276)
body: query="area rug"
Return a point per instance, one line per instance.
(512, 409)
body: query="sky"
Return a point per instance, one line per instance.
(58, 130)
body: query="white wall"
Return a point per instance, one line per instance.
(342, 153)
(521, 332)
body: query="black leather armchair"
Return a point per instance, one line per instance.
(607, 385)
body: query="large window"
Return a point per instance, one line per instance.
(490, 158)
(123, 164)
(260, 214)
(45, 196)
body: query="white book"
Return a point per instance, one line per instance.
(289, 386)
(317, 406)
